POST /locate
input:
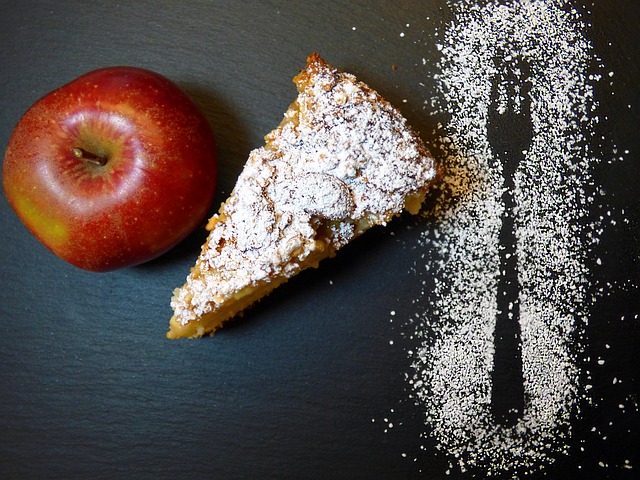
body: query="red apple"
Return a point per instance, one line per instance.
(112, 169)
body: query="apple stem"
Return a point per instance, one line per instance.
(81, 153)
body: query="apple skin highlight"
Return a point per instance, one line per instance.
(112, 169)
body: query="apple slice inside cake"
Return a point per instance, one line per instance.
(341, 161)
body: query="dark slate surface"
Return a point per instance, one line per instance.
(90, 387)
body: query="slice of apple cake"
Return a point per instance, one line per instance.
(341, 161)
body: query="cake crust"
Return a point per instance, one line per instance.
(341, 161)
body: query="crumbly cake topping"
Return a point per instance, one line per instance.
(342, 160)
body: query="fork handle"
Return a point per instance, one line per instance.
(510, 134)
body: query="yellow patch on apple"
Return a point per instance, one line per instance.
(53, 230)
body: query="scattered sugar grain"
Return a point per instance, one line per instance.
(451, 377)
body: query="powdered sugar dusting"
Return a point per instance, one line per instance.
(318, 194)
(342, 160)
(553, 191)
